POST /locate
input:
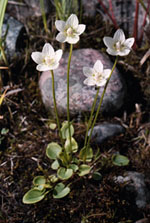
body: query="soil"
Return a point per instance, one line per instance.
(22, 149)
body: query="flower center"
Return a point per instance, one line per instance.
(48, 60)
(69, 31)
(98, 77)
(118, 46)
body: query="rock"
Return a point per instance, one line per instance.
(22, 11)
(124, 12)
(81, 95)
(89, 7)
(15, 38)
(144, 220)
(104, 131)
(135, 186)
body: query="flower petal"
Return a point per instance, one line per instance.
(106, 73)
(61, 37)
(119, 36)
(37, 57)
(89, 81)
(48, 50)
(112, 52)
(80, 29)
(72, 39)
(108, 41)
(42, 67)
(124, 52)
(129, 42)
(72, 21)
(101, 83)
(60, 25)
(87, 71)
(98, 66)
(58, 55)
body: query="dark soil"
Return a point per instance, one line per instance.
(23, 147)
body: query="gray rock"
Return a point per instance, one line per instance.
(104, 131)
(124, 12)
(28, 8)
(89, 7)
(135, 185)
(15, 36)
(81, 95)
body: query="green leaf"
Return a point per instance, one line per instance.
(39, 180)
(52, 126)
(63, 159)
(33, 196)
(84, 169)
(64, 173)
(73, 143)
(4, 131)
(55, 165)
(120, 160)
(60, 191)
(53, 150)
(65, 130)
(74, 167)
(97, 176)
(86, 154)
(53, 178)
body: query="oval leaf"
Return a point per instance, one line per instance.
(68, 145)
(120, 160)
(74, 167)
(53, 150)
(55, 165)
(60, 191)
(39, 180)
(97, 176)
(33, 196)
(64, 173)
(84, 169)
(86, 154)
(65, 130)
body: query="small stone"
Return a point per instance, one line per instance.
(144, 220)
(124, 13)
(89, 7)
(105, 131)
(135, 186)
(15, 38)
(28, 8)
(81, 95)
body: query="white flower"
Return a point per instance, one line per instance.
(48, 59)
(96, 75)
(118, 45)
(69, 30)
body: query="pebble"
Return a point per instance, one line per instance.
(81, 95)
(28, 8)
(15, 38)
(124, 13)
(135, 186)
(105, 131)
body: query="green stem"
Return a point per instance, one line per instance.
(101, 100)
(68, 115)
(55, 107)
(91, 116)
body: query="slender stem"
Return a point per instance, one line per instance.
(135, 29)
(110, 16)
(101, 100)
(55, 106)
(68, 114)
(43, 15)
(91, 116)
